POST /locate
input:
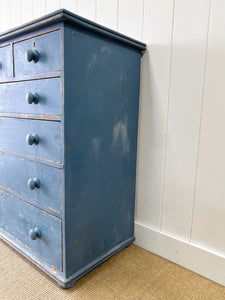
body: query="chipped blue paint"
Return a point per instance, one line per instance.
(101, 119)
(68, 152)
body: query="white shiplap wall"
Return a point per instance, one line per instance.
(180, 201)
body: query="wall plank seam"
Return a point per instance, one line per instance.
(117, 17)
(201, 114)
(167, 117)
(142, 24)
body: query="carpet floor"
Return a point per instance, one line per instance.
(134, 273)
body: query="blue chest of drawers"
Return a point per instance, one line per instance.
(69, 95)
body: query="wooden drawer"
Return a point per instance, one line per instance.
(15, 173)
(6, 66)
(14, 133)
(48, 48)
(18, 219)
(16, 97)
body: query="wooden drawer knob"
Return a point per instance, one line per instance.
(32, 55)
(35, 233)
(33, 183)
(32, 138)
(32, 98)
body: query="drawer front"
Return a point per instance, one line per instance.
(14, 133)
(15, 173)
(14, 97)
(18, 218)
(48, 48)
(5, 61)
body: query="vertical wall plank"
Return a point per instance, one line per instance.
(1, 11)
(157, 31)
(5, 15)
(26, 10)
(15, 13)
(209, 208)
(38, 8)
(187, 73)
(87, 9)
(130, 23)
(70, 5)
(106, 13)
(51, 5)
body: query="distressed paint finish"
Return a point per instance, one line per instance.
(85, 160)
(13, 97)
(102, 89)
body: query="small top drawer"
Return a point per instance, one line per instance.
(5, 61)
(39, 54)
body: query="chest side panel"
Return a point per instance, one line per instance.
(101, 119)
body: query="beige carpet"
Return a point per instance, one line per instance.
(134, 273)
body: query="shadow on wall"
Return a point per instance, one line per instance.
(152, 130)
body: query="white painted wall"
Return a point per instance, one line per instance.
(180, 207)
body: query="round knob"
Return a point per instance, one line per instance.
(32, 98)
(32, 138)
(33, 183)
(32, 55)
(35, 233)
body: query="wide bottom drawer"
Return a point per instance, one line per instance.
(37, 230)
